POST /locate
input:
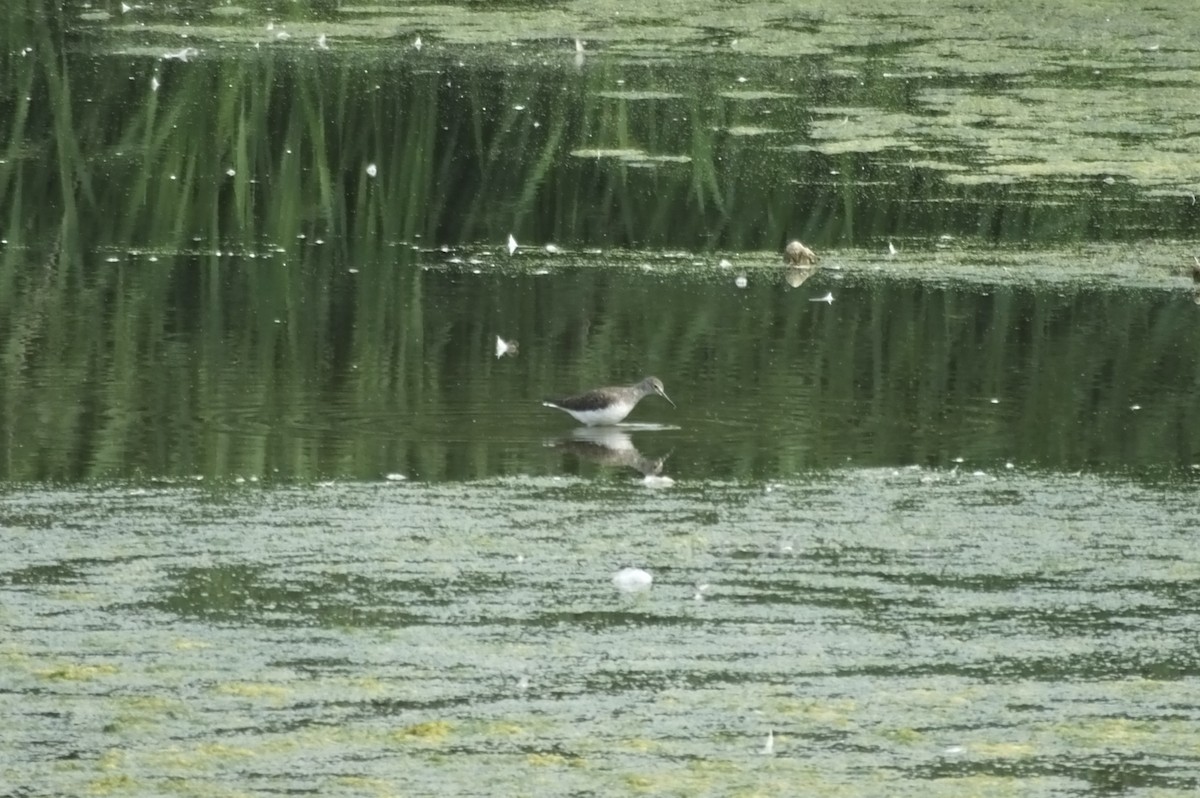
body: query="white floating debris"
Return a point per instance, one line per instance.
(540, 272)
(892, 250)
(322, 42)
(231, 171)
(417, 45)
(957, 460)
(395, 477)
(512, 244)
(552, 249)
(725, 263)
(181, 55)
(954, 750)
(740, 281)
(769, 746)
(827, 299)
(1108, 181)
(518, 107)
(1009, 466)
(154, 84)
(657, 481)
(372, 169)
(126, 8)
(995, 400)
(632, 580)
(741, 79)
(1135, 407)
(282, 35)
(505, 347)
(700, 591)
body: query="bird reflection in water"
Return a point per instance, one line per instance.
(610, 447)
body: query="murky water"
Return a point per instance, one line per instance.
(276, 518)
(896, 631)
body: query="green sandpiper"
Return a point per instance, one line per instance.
(605, 406)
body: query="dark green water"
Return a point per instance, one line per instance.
(274, 517)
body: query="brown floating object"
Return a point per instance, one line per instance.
(796, 254)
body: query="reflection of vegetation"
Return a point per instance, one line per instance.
(201, 262)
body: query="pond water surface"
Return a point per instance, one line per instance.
(276, 517)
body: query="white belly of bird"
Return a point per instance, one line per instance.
(604, 416)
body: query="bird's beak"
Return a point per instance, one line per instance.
(663, 394)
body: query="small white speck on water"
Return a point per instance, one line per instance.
(1009, 466)
(740, 281)
(512, 244)
(520, 558)
(154, 259)
(322, 42)
(231, 171)
(1135, 407)
(954, 750)
(110, 258)
(540, 272)
(518, 108)
(995, 400)
(154, 84)
(657, 481)
(352, 271)
(957, 460)
(769, 746)
(620, 81)
(523, 684)
(579, 45)
(372, 170)
(827, 299)
(742, 79)
(701, 589)
(552, 249)
(834, 172)
(632, 580)
(892, 250)
(395, 477)
(417, 44)
(725, 263)
(283, 35)
(1108, 181)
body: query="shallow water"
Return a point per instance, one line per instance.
(898, 630)
(276, 518)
